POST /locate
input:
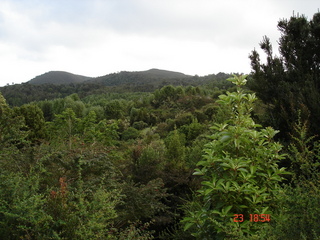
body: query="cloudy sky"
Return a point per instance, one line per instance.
(97, 37)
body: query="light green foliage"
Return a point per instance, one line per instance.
(239, 171)
(175, 143)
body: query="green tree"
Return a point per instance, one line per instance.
(192, 130)
(88, 127)
(103, 131)
(34, 120)
(65, 126)
(10, 126)
(47, 109)
(115, 109)
(58, 106)
(175, 143)
(239, 171)
(130, 133)
(73, 101)
(290, 82)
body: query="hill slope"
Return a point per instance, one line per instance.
(58, 77)
(152, 76)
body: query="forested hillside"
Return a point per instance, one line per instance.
(57, 85)
(168, 157)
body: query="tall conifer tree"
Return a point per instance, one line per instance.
(291, 81)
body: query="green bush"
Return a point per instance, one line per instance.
(239, 171)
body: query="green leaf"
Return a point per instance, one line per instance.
(198, 172)
(253, 169)
(226, 165)
(207, 191)
(243, 206)
(242, 170)
(188, 225)
(225, 138)
(226, 209)
(264, 210)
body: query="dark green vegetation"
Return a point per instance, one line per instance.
(290, 82)
(136, 156)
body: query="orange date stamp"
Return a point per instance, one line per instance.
(253, 218)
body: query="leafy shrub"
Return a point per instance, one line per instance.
(239, 171)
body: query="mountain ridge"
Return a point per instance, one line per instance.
(123, 77)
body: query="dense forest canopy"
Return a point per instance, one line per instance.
(131, 156)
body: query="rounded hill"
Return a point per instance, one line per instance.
(58, 77)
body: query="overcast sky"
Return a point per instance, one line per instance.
(98, 37)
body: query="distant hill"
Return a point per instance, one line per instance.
(152, 76)
(58, 84)
(57, 78)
